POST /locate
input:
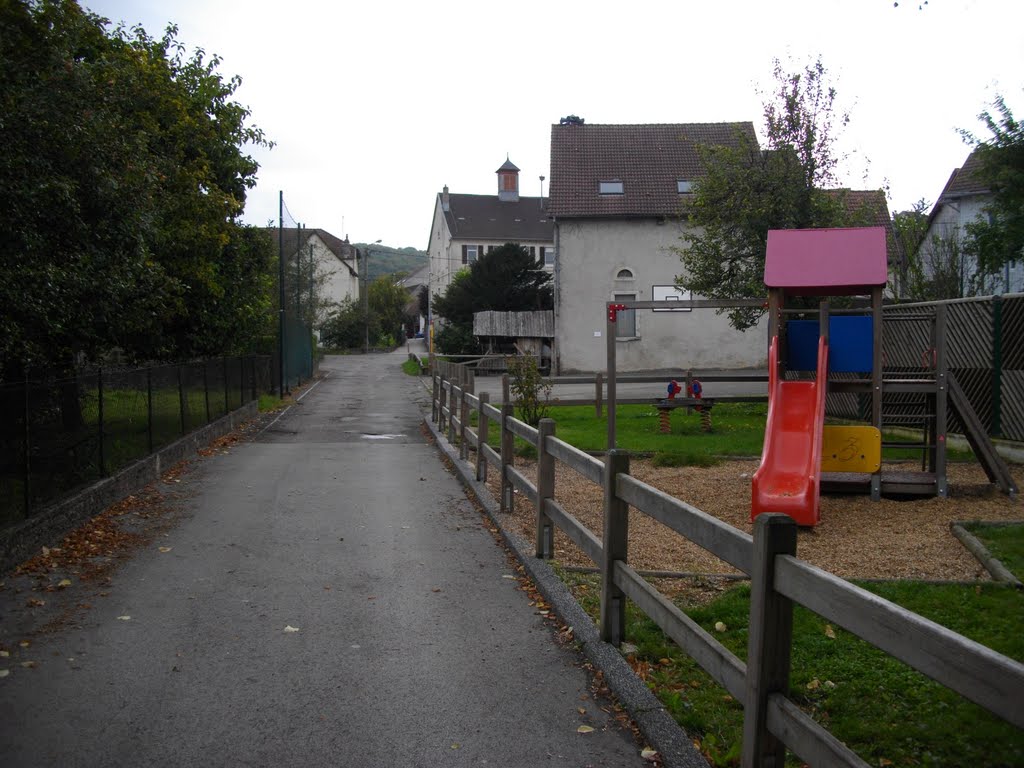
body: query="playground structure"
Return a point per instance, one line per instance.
(839, 353)
(693, 401)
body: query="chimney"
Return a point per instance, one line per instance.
(446, 203)
(508, 182)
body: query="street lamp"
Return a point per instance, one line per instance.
(366, 296)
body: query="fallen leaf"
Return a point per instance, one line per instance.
(455, 746)
(4, 654)
(829, 684)
(124, 618)
(25, 643)
(720, 626)
(4, 672)
(813, 685)
(508, 576)
(829, 632)
(585, 729)
(290, 628)
(29, 664)
(164, 549)
(436, 589)
(649, 754)
(581, 710)
(883, 762)
(35, 602)
(63, 583)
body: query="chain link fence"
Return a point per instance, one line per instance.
(60, 433)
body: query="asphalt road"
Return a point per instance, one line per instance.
(413, 643)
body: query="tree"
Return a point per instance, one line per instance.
(389, 303)
(909, 229)
(942, 269)
(747, 190)
(124, 176)
(506, 279)
(344, 328)
(999, 239)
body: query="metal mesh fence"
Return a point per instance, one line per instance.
(61, 432)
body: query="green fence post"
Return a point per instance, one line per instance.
(28, 449)
(206, 387)
(181, 397)
(227, 405)
(997, 366)
(149, 408)
(99, 394)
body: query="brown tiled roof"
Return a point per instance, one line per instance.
(485, 217)
(869, 208)
(294, 237)
(649, 160)
(966, 181)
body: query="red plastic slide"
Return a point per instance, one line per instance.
(790, 473)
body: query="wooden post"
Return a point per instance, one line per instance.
(507, 447)
(770, 638)
(610, 347)
(614, 547)
(941, 398)
(598, 393)
(471, 384)
(453, 411)
(463, 418)
(545, 489)
(481, 432)
(442, 401)
(434, 397)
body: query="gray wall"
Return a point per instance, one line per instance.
(591, 254)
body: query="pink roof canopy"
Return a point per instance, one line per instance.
(826, 261)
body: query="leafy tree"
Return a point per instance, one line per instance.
(389, 307)
(748, 190)
(124, 176)
(529, 389)
(1000, 238)
(941, 268)
(506, 279)
(909, 229)
(345, 327)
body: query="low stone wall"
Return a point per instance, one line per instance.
(49, 525)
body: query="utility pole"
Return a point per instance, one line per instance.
(280, 297)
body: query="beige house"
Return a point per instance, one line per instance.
(464, 227)
(618, 199)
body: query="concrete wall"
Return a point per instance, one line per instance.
(590, 256)
(47, 526)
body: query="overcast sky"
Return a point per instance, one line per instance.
(375, 105)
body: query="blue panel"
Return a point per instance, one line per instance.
(802, 345)
(851, 344)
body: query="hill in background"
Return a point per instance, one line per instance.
(385, 260)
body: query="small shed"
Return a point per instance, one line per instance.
(525, 333)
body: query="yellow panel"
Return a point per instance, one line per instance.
(851, 449)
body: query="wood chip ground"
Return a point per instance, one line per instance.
(856, 538)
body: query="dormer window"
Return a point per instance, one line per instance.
(684, 187)
(610, 187)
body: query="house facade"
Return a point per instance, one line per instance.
(333, 262)
(464, 227)
(618, 199)
(963, 200)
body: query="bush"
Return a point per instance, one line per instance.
(529, 389)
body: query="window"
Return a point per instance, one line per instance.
(610, 187)
(549, 256)
(625, 322)
(469, 253)
(624, 274)
(684, 187)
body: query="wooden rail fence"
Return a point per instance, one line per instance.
(772, 722)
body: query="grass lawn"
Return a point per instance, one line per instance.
(412, 368)
(889, 714)
(1005, 542)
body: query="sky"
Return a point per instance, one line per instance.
(374, 106)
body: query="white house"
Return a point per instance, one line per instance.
(466, 226)
(618, 198)
(333, 262)
(963, 201)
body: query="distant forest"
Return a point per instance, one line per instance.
(385, 260)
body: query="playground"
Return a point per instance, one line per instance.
(856, 537)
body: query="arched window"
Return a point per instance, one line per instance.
(624, 274)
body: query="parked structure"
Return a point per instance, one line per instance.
(962, 201)
(465, 227)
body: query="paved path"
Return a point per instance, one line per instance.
(414, 646)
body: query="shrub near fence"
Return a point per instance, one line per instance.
(60, 433)
(772, 722)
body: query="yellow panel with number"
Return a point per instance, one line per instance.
(851, 449)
